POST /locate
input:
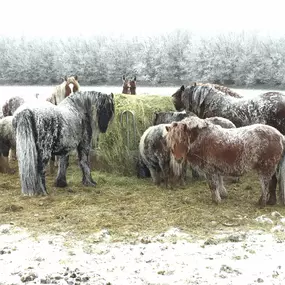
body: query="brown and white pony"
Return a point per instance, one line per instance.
(69, 85)
(222, 152)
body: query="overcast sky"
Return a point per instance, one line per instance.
(59, 18)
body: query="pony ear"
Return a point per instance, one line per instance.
(76, 77)
(174, 124)
(135, 78)
(182, 88)
(167, 128)
(65, 78)
(194, 84)
(112, 95)
(123, 77)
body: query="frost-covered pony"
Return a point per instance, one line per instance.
(68, 85)
(267, 108)
(7, 143)
(218, 152)
(11, 105)
(181, 104)
(46, 129)
(155, 155)
(169, 117)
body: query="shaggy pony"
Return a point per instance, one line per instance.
(46, 129)
(221, 152)
(7, 143)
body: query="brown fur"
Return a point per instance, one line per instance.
(221, 152)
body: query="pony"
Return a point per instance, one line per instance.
(155, 155)
(126, 85)
(267, 108)
(180, 105)
(11, 105)
(129, 85)
(218, 152)
(7, 143)
(8, 109)
(69, 85)
(133, 85)
(169, 117)
(45, 129)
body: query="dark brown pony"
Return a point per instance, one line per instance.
(222, 152)
(133, 85)
(129, 85)
(180, 105)
(126, 85)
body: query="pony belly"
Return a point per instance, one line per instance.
(216, 165)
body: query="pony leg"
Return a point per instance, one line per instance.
(85, 167)
(265, 182)
(222, 190)
(155, 176)
(214, 185)
(52, 164)
(195, 174)
(63, 163)
(272, 191)
(12, 154)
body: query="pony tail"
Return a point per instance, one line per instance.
(27, 152)
(281, 176)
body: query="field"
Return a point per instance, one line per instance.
(129, 207)
(128, 231)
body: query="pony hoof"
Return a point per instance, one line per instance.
(60, 183)
(261, 203)
(89, 183)
(271, 201)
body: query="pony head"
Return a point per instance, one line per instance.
(194, 96)
(177, 99)
(105, 111)
(180, 136)
(72, 85)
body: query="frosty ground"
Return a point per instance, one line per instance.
(172, 257)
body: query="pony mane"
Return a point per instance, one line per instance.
(88, 102)
(221, 88)
(176, 132)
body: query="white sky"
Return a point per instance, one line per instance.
(61, 18)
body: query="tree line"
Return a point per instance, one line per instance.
(166, 59)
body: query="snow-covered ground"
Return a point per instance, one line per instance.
(169, 258)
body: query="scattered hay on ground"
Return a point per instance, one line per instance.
(128, 207)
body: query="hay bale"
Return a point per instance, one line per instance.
(114, 154)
